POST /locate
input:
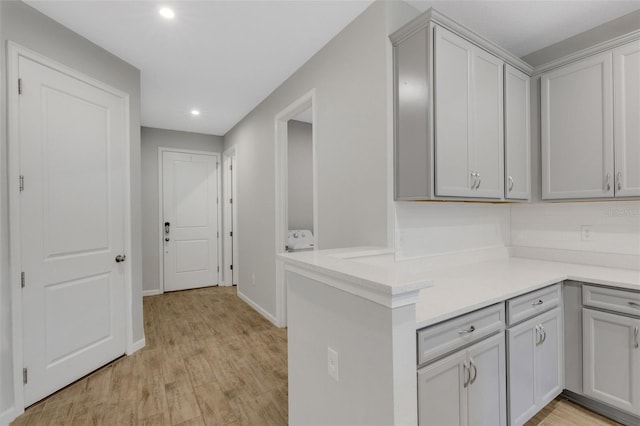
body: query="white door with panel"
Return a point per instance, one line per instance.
(611, 356)
(577, 130)
(465, 388)
(468, 86)
(626, 122)
(72, 142)
(536, 360)
(517, 134)
(190, 220)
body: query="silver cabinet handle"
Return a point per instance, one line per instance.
(538, 335)
(634, 305)
(619, 180)
(544, 334)
(510, 178)
(607, 182)
(468, 330)
(474, 180)
(121, 258)
(467, 373)
(479, 180)
(537, 302)
(475, 372)
(635, 337)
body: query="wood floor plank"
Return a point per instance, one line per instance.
(182, 402)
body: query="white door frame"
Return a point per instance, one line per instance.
(305, 102)
(161, 151)
(14, 52)
(232, 153)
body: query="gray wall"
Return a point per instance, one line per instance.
(350, 77)
(300, 175)
(617, 27)
(29, 28)
(152, 139)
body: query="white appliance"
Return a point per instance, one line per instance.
(300, 240)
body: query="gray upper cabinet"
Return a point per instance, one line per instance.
(517, 135)
(449, 114)
(626, 119)
(590, 126)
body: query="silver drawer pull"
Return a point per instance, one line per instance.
(468, 330)
(538, 302)
(635, 337)
(467, 373)
(634, 305)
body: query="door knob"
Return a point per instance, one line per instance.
(121, 258)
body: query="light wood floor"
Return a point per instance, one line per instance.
(210, 360)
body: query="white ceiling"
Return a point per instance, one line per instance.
(221, 57)
(225, 57)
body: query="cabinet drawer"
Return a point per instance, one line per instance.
(446, 337)
(612, 299)
(531, 304)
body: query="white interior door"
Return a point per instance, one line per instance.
(190, 219)
(72, 141)
(230, 274)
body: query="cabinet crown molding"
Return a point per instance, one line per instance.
(589, 51)
(439, 18)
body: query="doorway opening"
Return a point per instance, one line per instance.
(229, 221)
(296, 188)
(190, 244)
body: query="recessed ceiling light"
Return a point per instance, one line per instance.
(167, 13)
(195, 112)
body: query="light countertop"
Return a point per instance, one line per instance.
(453, 284)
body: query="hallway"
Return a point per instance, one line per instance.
(209, 359)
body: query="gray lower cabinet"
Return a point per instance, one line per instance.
(611, 356)
(467, 387)
(536, 360)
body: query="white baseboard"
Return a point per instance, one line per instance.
(258, 308)
(8, 416)
(153, 292)
(136, 346)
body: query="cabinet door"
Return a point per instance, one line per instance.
(487, 396)
(577, 130)
(549, 357)
(626, 79)
(517, 136)
(611, 359)
(452, 85)
(522, 341)
(442, 396)
(487, 131)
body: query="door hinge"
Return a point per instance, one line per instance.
(218, 269)
(21, 183)
(230, 200)
(22, 280)
(231, 234)
(231, 267)
(231, 167)
(19, 86)
(25, 376)
(217, 234)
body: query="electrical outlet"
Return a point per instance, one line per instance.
(333, 364)
(586, 233)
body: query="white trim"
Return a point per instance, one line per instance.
(153, 292)
(259, 309)
(136, 346)
(14, 52)
(305, 102)
(231, 153)
(589, 51)
(9, 415)
(161, 151)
